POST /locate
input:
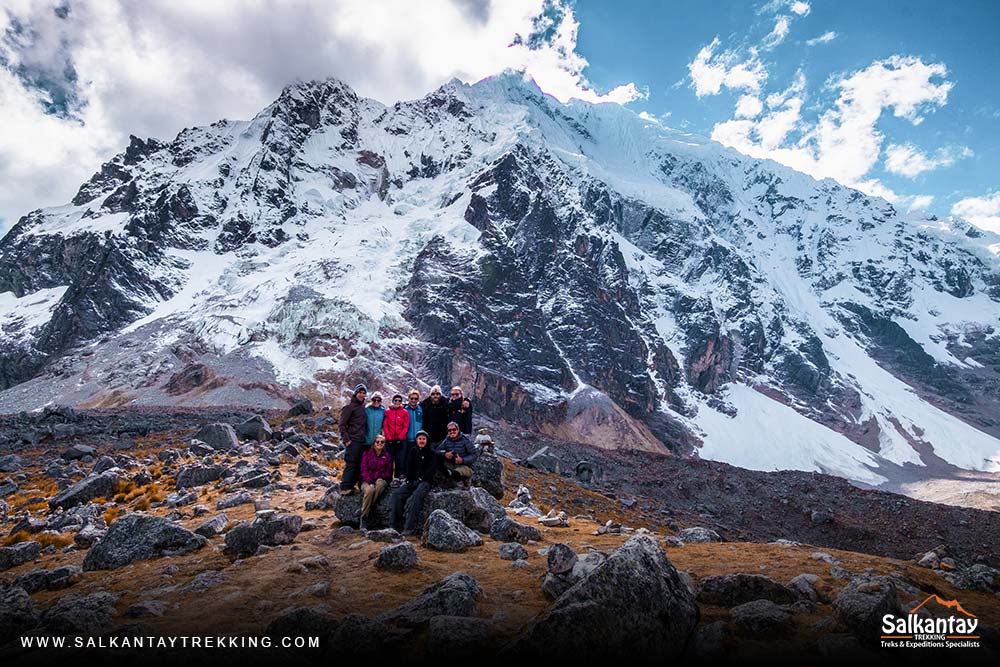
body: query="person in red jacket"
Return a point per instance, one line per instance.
(394, 426)
(376, 471)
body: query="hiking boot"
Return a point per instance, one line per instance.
(363, 525)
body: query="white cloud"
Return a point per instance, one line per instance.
(778, 33)
(801, 8)
(749, 106)
(155, 67)
(907, 160)
(711, 71)
(920, 202)
(825, 38)
(844, 142)
(983, 212)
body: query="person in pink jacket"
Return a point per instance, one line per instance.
(395, 426)
(376, 472)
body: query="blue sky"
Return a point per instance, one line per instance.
(895, 98)
(653, 44)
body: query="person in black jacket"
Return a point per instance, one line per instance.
(460, 410)
(435, 414)
(421, 465)
(456, 454)
(353, 423)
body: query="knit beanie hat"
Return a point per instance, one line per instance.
(361, 387)
(422, 433)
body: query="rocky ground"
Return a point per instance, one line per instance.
(144, 523)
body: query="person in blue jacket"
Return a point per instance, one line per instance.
(416, 421)
(375, 414)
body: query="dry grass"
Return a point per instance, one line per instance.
(49, 539)
(111, 514)
(19, 536)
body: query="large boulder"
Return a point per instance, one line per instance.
(51, 580)
(80, 614)
(445, 533)
(88, 488)
(300, 408)
(487, 473)
(760, 618)
(399, 557)
(17, 613)
(456, 595)
(505, 529)
(633, 604)
(698, 534)
(140, 537)
(864, 601)
(729, 590)
(220, 437)
(197, 475)
(18, 554)
(300, 622)
(474, 508)
(269, 529)
(542, 460)
(255, 428)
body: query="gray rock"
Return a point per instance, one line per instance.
(506, 529)
(213, 526)
(17, 613)
(978, 577)
(542, 460)
(87, 536)
(18, 554)
(632, 604)
(864, 601)
(384, 535)
(729, 590)
(7, 487)
(77, 452)
(488, 473)
(513, 551)
(300, 622)
(80, 614)
(197, 475)
(204, 581)
(140, 536)
(104, 463)
(456, 595)
(698, 534)
(561, 558)
(88, 488)
(442, 532)
(181, 498)
(709, 640)
(458, 637)
(268, 529)
(309, 468)
(255, 428)
(805, 585)
(760, 618)
(398, 557)
(301, 407)
(220, 437)
(11, 463)
(51, 580)
(145, 609)
(363, 640)
(235, 500)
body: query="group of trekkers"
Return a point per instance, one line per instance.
(405, 446)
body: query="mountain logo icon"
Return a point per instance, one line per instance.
(948, 604)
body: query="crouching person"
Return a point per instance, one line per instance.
(376, 472)
(420, 468)
(456, 454)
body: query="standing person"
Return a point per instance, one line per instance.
(435, 414)
(376, 471)
(420, 468)
(456, 454)
(460, 410)
(416, 424)
(352, 434)
(395, 427)
(374, 415)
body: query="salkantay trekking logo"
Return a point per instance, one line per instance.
(957, 630)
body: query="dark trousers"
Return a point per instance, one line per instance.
(397, 452)
(352, 466)
(418, 490)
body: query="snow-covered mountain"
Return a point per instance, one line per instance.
(581, 270)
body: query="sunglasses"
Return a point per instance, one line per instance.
(453, 430)
(376, 400)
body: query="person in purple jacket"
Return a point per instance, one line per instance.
(376, 473)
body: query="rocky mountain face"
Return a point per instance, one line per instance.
(579, 270)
